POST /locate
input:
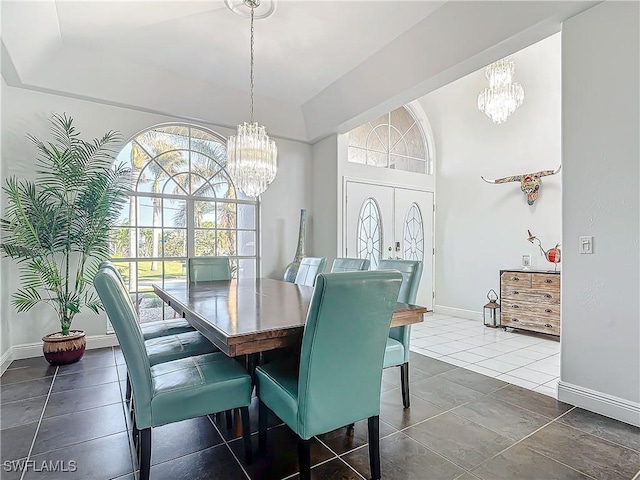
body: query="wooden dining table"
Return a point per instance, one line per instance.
(253, 315)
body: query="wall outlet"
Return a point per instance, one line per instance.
(586, 245)
(526, 261)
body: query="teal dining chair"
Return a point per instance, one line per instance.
(309, 269)
(167, 347)
(208, 269)
(397, 351)
(337, 381)
(175, 390)
(158, 328)
(349, 264)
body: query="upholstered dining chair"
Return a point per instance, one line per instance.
(175, 390)
(167, 347)
(208, 269)
(397, 351)
(158, 328)
(339, 375)
(349, 264)
(309, 269)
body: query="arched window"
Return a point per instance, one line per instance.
(182, 204)
(395, 140)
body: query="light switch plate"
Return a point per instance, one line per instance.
(586, 245)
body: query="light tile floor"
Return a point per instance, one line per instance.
(523, 358)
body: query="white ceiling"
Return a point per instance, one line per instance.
(319, 64)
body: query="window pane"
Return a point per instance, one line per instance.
(148, 211)
(148, 273)
(205, 214)
(226, 215)
(174, 213)
(379, 139)
(401, 119)
(413, 238)
(246, 243)
(120, 242)
(416, 146)
(357, 155)
(175, 271)
(246, 268)
(205, 243)
(174, 242)
(408, 164)
(150, 307)
(149, 242)
(369, 241)
(246, 216)
(226, 243)
(377, 159)
(358, 136)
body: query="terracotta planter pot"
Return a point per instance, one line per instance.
(62, 350)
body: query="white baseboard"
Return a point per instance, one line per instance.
(30, 350)
(6, 359)
(598, 402)
(457, 312)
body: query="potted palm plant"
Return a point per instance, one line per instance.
(57, 228)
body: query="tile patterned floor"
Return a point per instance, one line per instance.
(522, 358)
(461, 425)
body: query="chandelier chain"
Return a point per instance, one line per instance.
(251, 70)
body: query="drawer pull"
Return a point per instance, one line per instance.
(515, 279)
(515, 292)
(548, 295)
(548, 310)
(514, 319)
(548, 280)
(548, 325)
(515, 306)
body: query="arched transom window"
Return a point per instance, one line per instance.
(182, 204)
(394, 140)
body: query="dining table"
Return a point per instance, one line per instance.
(249, 316)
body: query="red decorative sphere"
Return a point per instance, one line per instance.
(553, 255)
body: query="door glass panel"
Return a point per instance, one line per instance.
(369, 241)
(413, 234)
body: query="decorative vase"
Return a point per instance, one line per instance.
(61, 349)
(291, 270)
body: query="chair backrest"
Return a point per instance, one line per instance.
(109, 264)
(309, 269)
(411, 271)
(122, 315)
(207, 269)
(343, 349)
(349, 264)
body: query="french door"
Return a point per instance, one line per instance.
(390, 222)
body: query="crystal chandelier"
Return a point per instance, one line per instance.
(252, 157)
(502, 97)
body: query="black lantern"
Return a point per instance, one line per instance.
(491, 311)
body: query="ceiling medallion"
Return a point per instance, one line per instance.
(264, 9)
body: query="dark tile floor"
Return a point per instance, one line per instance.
(70, 422)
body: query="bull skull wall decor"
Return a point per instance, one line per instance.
(529, 182)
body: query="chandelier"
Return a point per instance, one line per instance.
(502, 97)
(252, 157)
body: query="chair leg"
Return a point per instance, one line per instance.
(263, 420)
(229, 419)
(304, 458)
(127, 395)
(404, 381)
(246, 435)
(145, 453)
(374, 447)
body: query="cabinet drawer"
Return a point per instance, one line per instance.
(512, 279)
(543, 281)
(528, 323)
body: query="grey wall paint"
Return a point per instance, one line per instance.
(601, 121)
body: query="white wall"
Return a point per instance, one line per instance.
(325, 200)
(25, 111)
(600, 363)
(5, 336)
(482, 228)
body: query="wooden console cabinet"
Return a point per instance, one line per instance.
(530, 300)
